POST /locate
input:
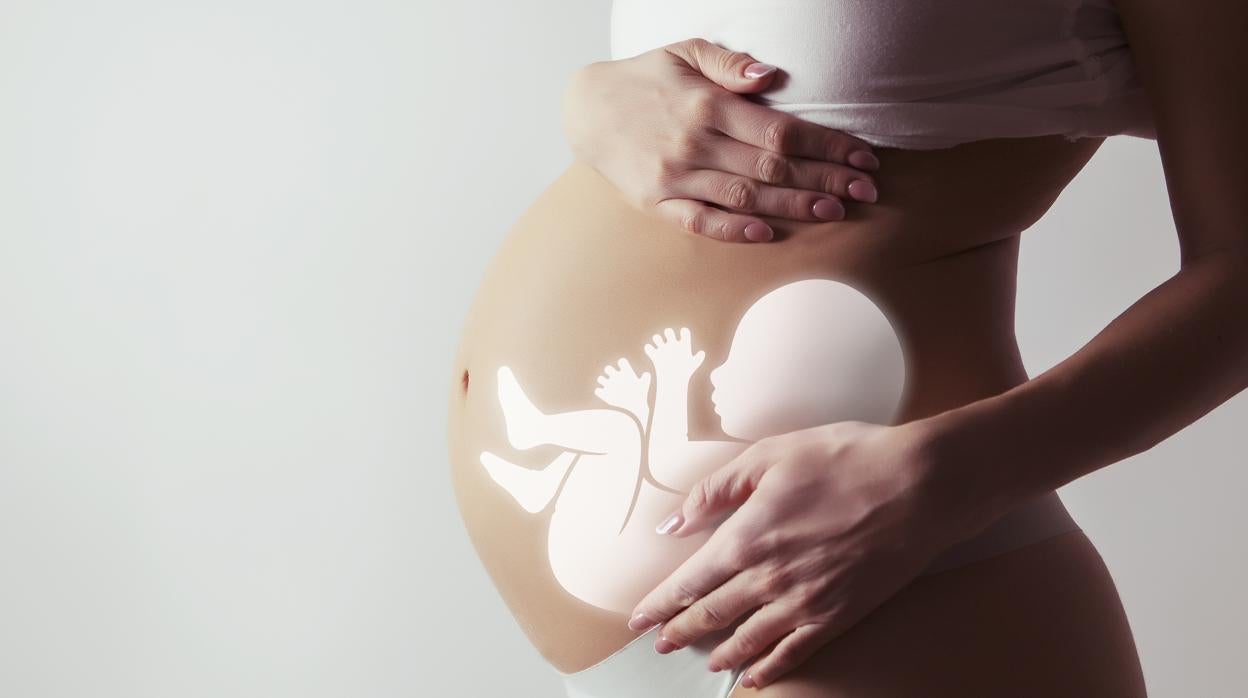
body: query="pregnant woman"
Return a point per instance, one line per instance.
(738, 409)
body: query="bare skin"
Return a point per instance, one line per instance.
(1043, 620)
(672, 131)
(583, 275)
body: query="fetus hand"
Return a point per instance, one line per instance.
(672, 131)
(832, 521)
(673, 356)
(624, 389)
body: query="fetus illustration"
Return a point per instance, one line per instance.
(810, 352)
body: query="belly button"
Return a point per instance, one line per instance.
(463, 381)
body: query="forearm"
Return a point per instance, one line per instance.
(669, 427)
(1177, 353)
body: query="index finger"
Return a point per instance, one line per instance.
(780, 132)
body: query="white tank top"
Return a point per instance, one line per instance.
(920, 74)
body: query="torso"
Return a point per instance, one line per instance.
(583, 279)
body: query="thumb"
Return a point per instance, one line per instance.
(733, 70)
(725, 489)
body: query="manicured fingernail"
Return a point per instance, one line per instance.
(639, 622)
(669, 524)
(747, 681)
(758, 232)
(864, 159)
(863, 190)
(664, 645)
(758, 70)
(828, 209)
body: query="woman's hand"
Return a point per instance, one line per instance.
(668, 128)
(832, 521)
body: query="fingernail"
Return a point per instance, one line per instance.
(747, 681)
(664, 645)
(864, 159)
(828, 209)
(669, 524)
(863, 190)
(758, 70)
(639, 622)
(714, 667)
(758, 232)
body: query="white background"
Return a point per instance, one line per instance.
(237, 240)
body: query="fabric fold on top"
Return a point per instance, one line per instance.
(920, 74)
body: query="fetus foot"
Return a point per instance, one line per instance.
(524, 420)
(624, 389)
(532, 489)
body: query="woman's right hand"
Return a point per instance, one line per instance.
(670, 130)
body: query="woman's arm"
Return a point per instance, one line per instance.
(1182, 349)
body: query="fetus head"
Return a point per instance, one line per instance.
(808, 353)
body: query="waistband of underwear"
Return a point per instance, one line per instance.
(1032, 521)
(636, 669)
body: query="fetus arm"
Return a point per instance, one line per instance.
(531, 488)
(674, 365)
(674, 460)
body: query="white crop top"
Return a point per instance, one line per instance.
(919, 74)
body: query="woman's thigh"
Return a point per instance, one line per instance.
(1042, 620)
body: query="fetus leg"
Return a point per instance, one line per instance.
(531, 488)
(589, 431)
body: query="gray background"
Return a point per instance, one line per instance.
(237, 240)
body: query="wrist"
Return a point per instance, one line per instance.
(572, 114)
(966, 465)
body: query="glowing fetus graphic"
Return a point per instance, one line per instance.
(810, 352)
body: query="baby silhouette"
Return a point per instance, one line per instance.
(811, 352)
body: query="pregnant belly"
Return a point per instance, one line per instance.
(609, 361)
(806, 353)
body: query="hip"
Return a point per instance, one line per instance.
(1041, 620)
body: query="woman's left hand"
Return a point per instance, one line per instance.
(833, 520)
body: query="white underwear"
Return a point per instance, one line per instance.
(637, 670)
